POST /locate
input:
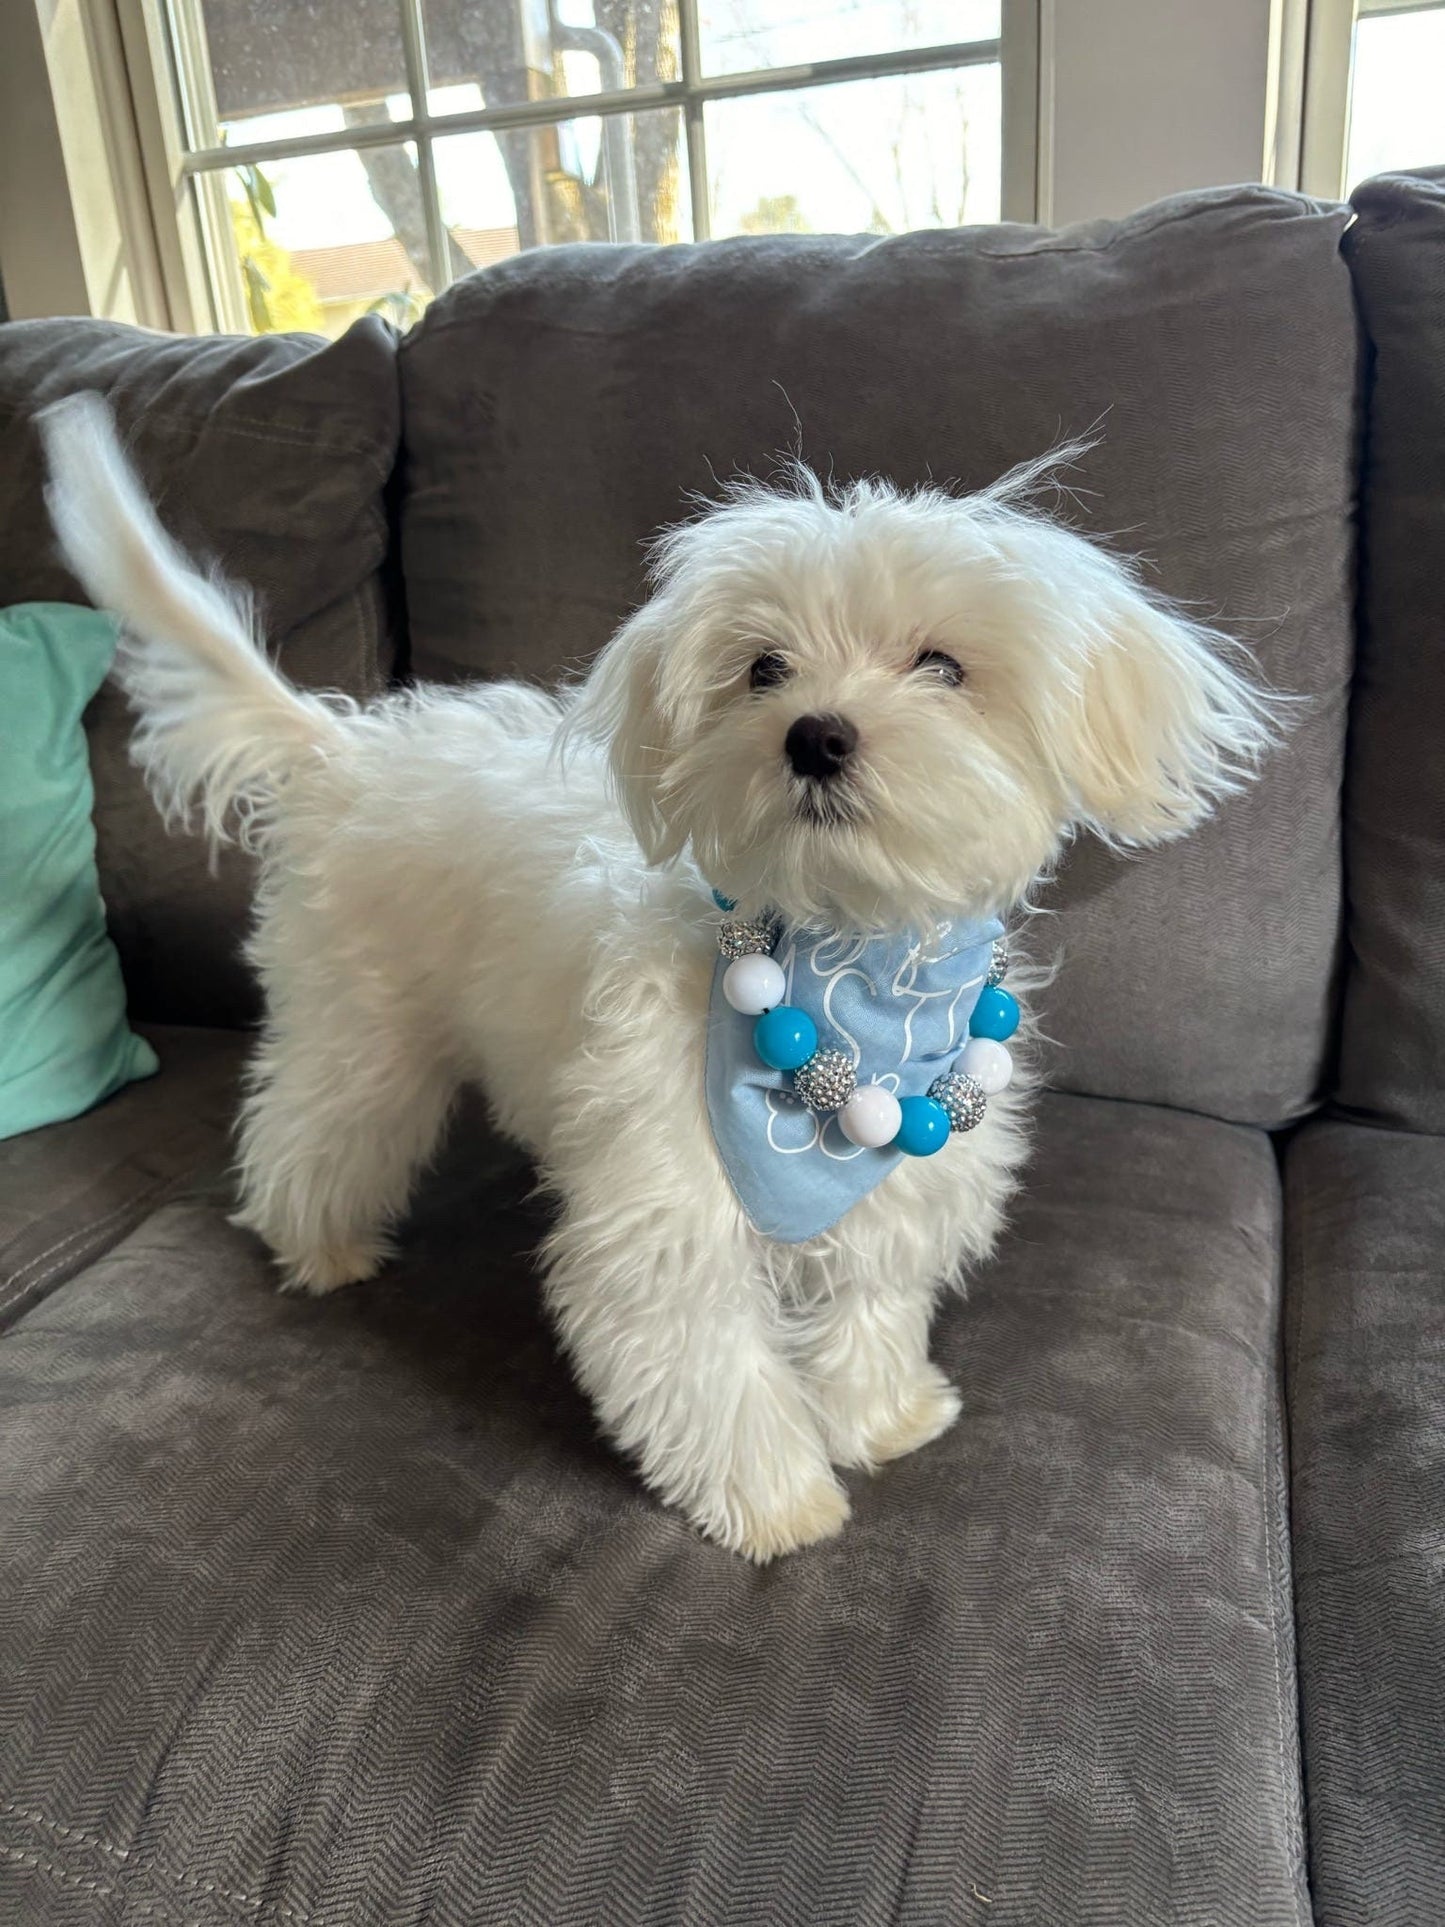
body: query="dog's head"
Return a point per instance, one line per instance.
(879, 709)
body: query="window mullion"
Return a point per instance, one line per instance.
(200, 112)
(690, 37)
(413, 42)
(551, 108)
(1325, 120)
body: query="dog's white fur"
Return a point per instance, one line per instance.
(500, 884)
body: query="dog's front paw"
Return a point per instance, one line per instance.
(890, 1424)
(330, 1267)
(765, 1529)
(310, 1269)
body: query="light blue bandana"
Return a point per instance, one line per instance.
(900, 1014)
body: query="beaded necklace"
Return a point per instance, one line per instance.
(826, 1079)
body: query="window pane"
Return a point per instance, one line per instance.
(879, 156)
(263, 84)
(618, 177)
(270, 57)
(1397, 98)
(497, 52)
(316, 242)
(740, 34)
(265, 69)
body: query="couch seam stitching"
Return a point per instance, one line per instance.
(141, 1197)
(1298, 1265)
(34, 1861)
(1294, 1232)
(1292, 1800)
(1286, 1800)
(153, 1910)
(251, 428)
(26, 1279)
(252, 1903)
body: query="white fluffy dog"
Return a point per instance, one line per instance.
(511, 886)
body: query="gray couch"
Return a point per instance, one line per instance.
(325, 1613)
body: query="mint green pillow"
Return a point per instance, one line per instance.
(64, 1042)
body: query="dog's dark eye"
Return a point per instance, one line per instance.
(935, 662)
(768, 671)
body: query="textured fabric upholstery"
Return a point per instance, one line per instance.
(339, 1614)
(560, 407)
(1393, 1060)
(1365, 1315)
(73, 1190)
(270, 458)
(337, 1611)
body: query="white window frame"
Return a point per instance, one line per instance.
(1325, 146)
(1325, 106)
(75, 232)
(191, 234)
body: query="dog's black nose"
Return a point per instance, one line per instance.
(820, 745)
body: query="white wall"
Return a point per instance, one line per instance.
(70, 176)
(1141, 98)
(44, 270)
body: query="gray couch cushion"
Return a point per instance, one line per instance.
(269, 457)
(338, 1611)
(1366, 1321)
(73, 1190)
(1393, 1059)
(559, 407)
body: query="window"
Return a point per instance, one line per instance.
(336, 157)
(1372, 98)
(1397, 89)
(244, 163)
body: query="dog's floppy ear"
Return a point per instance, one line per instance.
(644, 694)
(620, 705)
(1159, 725)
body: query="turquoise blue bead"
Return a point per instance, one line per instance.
(785, 1037)
(924, 1129)
(995, 1015)
(722, 902)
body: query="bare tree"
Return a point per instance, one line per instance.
(396, 188)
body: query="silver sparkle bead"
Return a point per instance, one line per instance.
(961, 1096)
(999, 963)
(746, 937)
(826, 1081)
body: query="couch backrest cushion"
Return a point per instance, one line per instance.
(1392, 1065)
(558, 409)
(270, 458)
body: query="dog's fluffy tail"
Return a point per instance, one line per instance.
(219, 729)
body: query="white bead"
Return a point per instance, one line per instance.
(989, 1064)
(871, 1117)
(754, 984)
